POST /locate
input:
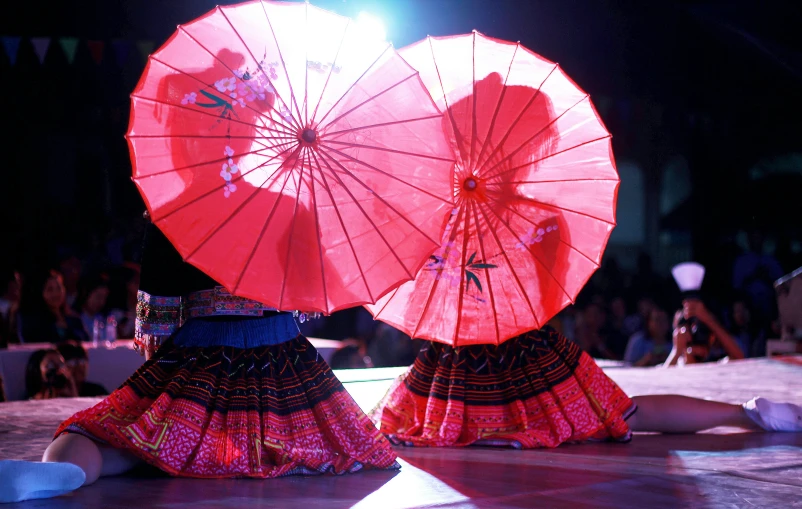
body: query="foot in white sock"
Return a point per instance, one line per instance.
(773, 416)
(27, 480)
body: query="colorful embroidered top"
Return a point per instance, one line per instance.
(172, 291)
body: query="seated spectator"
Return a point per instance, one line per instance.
(618, 314)
(636, 322)
(592, 335)
(352, 355)
(747, 334)
(10, 286)
(43, 314)
(389, 347)
(9, 308)
(650, 347)
(93, 292)
(754, 273)
(47, 376)
(565, 322)
(700, 337)
(70, 269)
(122, 298)
(77, 361)
(4, 333)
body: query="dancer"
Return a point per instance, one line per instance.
(535, 196)
(541, 390)
(231, 389)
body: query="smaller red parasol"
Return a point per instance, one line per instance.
(535, 190)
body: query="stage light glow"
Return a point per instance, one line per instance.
(372, 26)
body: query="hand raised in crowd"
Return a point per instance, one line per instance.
(695, 308)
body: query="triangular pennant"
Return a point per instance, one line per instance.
(11, 45)
(69, 45)
(121, 50)
(145, 48)
(96, 49)
(40, 45)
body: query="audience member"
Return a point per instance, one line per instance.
(47, 376)
(754, 273)
(565, 322)
(749, 335)
(636, 322)
(618, 314)
(651, 347)
(4, 333)
(646, 281)
(353, 355)
(389, 347)
(9, 308)
(122, 298)
(70, 269)
(700, 337)
(93, 293)
(43, 315)
(592, 335)
(77, 361)
(11, 286)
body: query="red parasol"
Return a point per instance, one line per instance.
(535, 187)
(291, 156)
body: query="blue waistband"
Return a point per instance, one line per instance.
(242, 333)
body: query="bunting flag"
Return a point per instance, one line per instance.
(96, 49)
(69, 45)
(121, 50)
(11, 45)
(145, 49)
(40, 45)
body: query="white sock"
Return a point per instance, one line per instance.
(773, 416)
(27, 480)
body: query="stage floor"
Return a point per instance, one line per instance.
(720, 468)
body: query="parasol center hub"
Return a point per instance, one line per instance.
(470, 184)
(309, 135)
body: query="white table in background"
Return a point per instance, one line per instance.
(109, 367)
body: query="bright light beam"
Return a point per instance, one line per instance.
(371, 25)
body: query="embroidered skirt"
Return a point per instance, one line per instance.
(237, 398)
(536, 390)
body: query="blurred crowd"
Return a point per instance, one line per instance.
(639, 318)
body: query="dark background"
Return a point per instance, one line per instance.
(717, 83)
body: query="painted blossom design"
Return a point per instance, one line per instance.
(237, 90)
(534, 235)
(228, 84)
(228, 92)
(229, 168)
(439, 261)
(286, 114)
(228, 171)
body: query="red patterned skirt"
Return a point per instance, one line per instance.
(217, 412)
(536, 390)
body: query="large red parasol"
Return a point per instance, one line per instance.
(535, 190)
(291, 156)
